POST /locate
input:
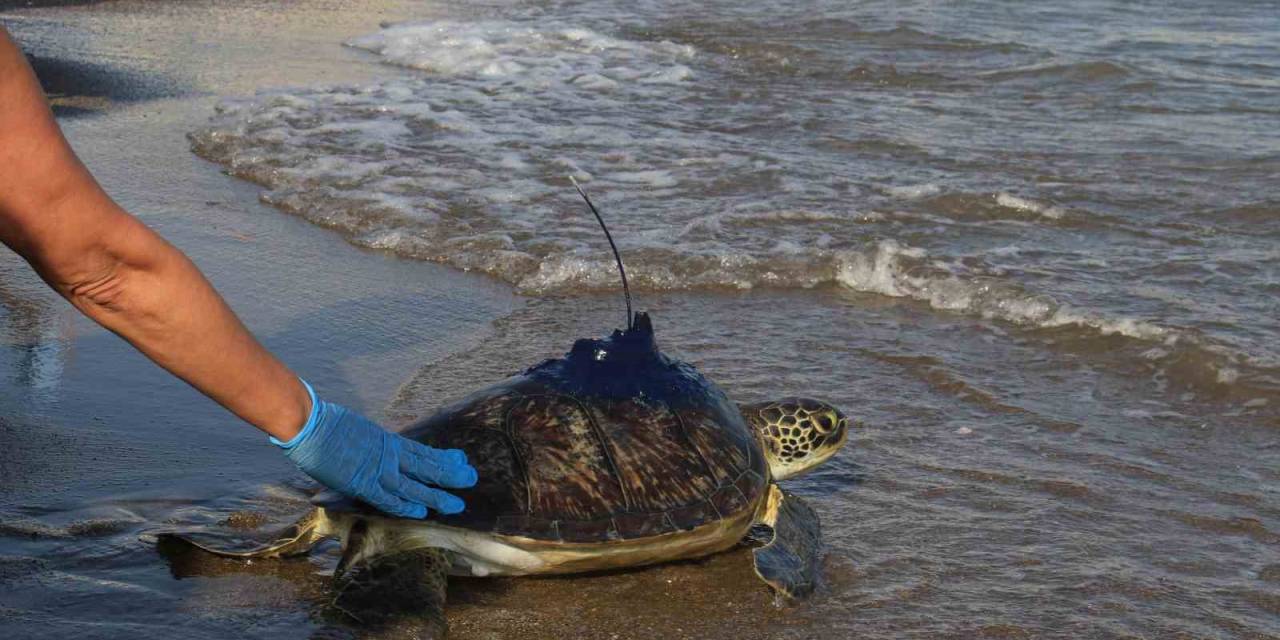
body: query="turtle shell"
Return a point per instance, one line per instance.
(614, 441)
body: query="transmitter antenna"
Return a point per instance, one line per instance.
(626, 291)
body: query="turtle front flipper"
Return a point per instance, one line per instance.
(397, 595)
(791, 558)
(295, 539)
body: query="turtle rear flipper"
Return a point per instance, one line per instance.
(397, 594)
(791, 559)
(295, 539)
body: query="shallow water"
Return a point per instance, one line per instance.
(1032, 248)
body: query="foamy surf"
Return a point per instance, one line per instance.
(528, 57)
(899, 271)
(1021, 204)
(462, 160)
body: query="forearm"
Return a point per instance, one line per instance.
(146, 291)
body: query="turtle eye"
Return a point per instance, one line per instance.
(823, 423)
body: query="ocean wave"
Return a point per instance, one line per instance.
(527, 56)
(466, 166)
(1179, 359)
(1079, 72)
(817, 55)
(463, 162)
(895, 270)
(912, 191)
(909, 37)
(1260, 218)
(999, 205)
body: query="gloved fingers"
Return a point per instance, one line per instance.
(441, 501)
(443, 457)
(442, 467)
(393, 505)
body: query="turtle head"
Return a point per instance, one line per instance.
(797, 434)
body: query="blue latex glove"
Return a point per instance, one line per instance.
(347, 452)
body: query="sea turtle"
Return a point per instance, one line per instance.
(614, 455)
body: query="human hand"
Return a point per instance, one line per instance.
(349, 453)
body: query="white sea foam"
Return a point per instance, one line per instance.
(1027, 205)
(410, 167)
(895, 270)
(463, 162)
(913, 192)
(527, 56)
(1014, 202)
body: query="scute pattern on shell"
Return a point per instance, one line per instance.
(648, 441)
(556, 467)
(567, 467)
(614, 441)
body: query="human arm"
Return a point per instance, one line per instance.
(122, 274)
(128, 279)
